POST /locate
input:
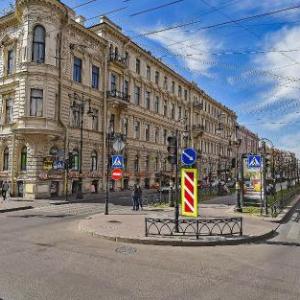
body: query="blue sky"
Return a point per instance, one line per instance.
(250, 66)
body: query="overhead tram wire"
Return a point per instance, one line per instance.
(245, 28)
(83, 4)
(256, 16)
(155, 8)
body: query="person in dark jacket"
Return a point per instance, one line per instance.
(140, 198)
(134, 196)
(5, 188)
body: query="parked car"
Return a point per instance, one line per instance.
(230, 183)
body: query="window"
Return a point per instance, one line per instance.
(76, 118)
(137, 95)
(147, 161)
(165, 136)
(156, 135)
(148, 73)
(136, 163)
(125, 162)
(38, 47)
(9, 110)
(125, 126)
(24, 159)
(113, 82)
(75, 162)
(136, 129)
(5, 159)
(157, 77)
(156, 164)
(166, 83)
(173, 111)
(173, 87)
(137, 66)
(157, 104)
(77, 68)
(147, 100)
(36, 103)
(165, 108)
(185, 95)
(94, 161)
(147, 132)
(10, 61)
(112, 123)
(126, 87)
(95, 77)
(95, 119)
(179, 112)
(179, 91)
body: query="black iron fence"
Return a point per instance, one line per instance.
(194, 227)
(282, 199)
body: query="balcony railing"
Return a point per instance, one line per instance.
(118, 95)
(118, 59)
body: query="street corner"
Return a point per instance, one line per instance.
(131, 229)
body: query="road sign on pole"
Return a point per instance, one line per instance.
(189, 192)
(254, 161)
(117, 161)
(116, 174)
(188, 156)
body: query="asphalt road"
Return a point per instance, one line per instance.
(43, 256)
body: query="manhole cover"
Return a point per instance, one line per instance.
(126, 250)
(114, 221)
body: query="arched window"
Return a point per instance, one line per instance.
(24, 159)
(94, 161)
(116, 53)
(75, 163)
(5, 159)
(136, 163)
(38, 45)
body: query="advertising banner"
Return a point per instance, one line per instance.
(252, 180)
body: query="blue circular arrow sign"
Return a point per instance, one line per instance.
(188, 156)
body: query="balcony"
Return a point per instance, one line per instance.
(197, 130)
(119, 60)
(118, 98)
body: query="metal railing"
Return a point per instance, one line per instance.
(118, 94)
(156, 199)
(118, 58)
(284, 197)
(194, 227)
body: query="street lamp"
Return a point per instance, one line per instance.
(263, 142)
(111, 138)
(77, 108)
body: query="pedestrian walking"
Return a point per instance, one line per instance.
(5, 188)
(134, 197)
(139, 198)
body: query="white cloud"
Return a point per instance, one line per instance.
(290, 142)
(193, 53)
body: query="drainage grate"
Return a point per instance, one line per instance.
(126, 250)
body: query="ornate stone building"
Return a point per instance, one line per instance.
(64, 87)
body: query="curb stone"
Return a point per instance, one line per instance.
(15, 209)
(181, 242)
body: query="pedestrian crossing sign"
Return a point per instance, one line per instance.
(254, 161)
(117, 162)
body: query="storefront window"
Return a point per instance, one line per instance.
(24, 159)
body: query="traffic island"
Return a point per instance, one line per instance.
(11, 206)
(133, 228)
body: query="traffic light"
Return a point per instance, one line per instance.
(70, 160)
(172, 150)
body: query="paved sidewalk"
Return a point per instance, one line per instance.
(129, 226)
(15, 204)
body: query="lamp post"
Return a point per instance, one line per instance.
(111, 137)
(78, 109)
(264, 142)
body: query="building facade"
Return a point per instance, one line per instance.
(65, 87)
(249, 140)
